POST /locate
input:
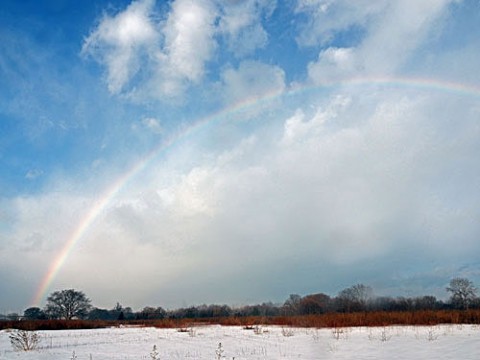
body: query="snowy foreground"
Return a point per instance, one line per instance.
(396, 342)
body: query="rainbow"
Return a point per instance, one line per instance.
(111, 192)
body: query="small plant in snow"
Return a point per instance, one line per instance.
(332, 347)
(154, 353)
(219, 352)
(192, 332)
(258, 330)
(385, 335)
(431, 334)
(287, 332)
(337, 332)
(23, 340)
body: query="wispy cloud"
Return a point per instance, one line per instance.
(33, 174)
(388, 33)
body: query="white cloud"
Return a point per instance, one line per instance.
(241, 23)
(334, 64)
(252, 79)
(146, 58)
(296, 128)
(401, 30)
(392, 31)
(189, 44)
(326, 18)
(120, 41)
(188, 32)
(152, 124)
(347, 191)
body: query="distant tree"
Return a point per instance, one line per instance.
(128, 313)
(67, 304)
(475, 304)
(13, 316)
(403, 303)
(315, 304)
(426, 303)
(265, 309)
(383, 303)
(117, 312)
(34, 313)
(149, 312)
(99, 314)
(292, 304)
(220, 310)
(463, 292)
(354, 298)
(209, 311)
(270, 309)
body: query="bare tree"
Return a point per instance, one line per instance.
(67, 304)
(354, 298)
(463, 292)
(292, 304)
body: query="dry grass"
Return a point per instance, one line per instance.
(329, 320)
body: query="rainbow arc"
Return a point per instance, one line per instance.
(113, 190)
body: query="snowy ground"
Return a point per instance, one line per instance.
(407, 342)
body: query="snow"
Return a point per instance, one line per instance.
(269, 342)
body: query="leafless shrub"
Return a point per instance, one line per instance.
(258, 330)
(154, 353)
(332, 347)
(23, 340)
(337, 332)
(385, 335)
(431, 334)
(192, 332)
(287, 332)
(219, 352)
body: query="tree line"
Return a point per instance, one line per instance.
(72, 304)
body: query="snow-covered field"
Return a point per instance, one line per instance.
(396, 342)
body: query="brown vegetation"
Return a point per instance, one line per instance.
(330, 320)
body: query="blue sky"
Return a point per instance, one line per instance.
(294, 147)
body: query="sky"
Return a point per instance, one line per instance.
(173, 153)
